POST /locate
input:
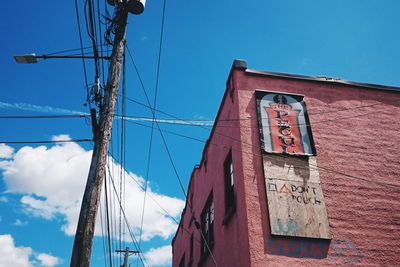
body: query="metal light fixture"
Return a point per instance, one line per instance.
(32, 58)
(28, 58)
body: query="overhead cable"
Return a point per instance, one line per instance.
(47, 142)
(81, 44)
(142, 259)
(153, 116)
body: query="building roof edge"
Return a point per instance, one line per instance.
(324, 79)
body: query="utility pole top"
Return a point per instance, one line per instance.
(127, 253)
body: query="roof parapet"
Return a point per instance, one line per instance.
(239, 64)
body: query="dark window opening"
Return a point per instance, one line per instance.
(207, 226)
(230, 200)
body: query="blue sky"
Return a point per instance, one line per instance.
(355, 40)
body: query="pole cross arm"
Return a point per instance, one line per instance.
(130, 251)
(32, 58)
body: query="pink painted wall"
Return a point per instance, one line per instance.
(356, 135)
(231, 241)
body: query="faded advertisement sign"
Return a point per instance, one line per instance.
(296, 204)
(284, 124)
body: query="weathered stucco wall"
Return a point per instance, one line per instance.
(355, 131)
(231, 244)
(356, 135)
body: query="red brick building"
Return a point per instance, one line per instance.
(297, 171)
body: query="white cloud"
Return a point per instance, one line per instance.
(61, 137)
(18, 222)
(159, 256)
(39, 208)
(3, 199)
(6, 151)
(52, 181)
(48, 260)
(10, 255)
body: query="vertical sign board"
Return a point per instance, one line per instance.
(295, 201)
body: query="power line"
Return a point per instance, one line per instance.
(81, 44)
(178, 121)
(122, 150)
(170, 132)
(100, 40)
(193, 122)
(280, 155)
(109, 234)
(234, 139)
(326, 169)
(125, 218)
(47, 142)
(250, 118)
(112, 212)
(45, 117)
(103, 235)
(299, 124)
(158, 126)
(153, 116)
(154, 200)
(170, 216)
(168, 152)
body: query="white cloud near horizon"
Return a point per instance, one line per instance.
(11, 255)
(6, 152)
(52, 180)
(18, 222)
(160, 256)
(48, 260)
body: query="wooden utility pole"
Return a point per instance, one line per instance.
(84, 233)
(127, 252)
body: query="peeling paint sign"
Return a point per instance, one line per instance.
(296, 204)
(284, 124)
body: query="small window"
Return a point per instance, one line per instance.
(230, 200)
(207, 226)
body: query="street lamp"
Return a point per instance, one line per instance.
(32, 58)
(28, 58)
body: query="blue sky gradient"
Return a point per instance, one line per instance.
(356, 40)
